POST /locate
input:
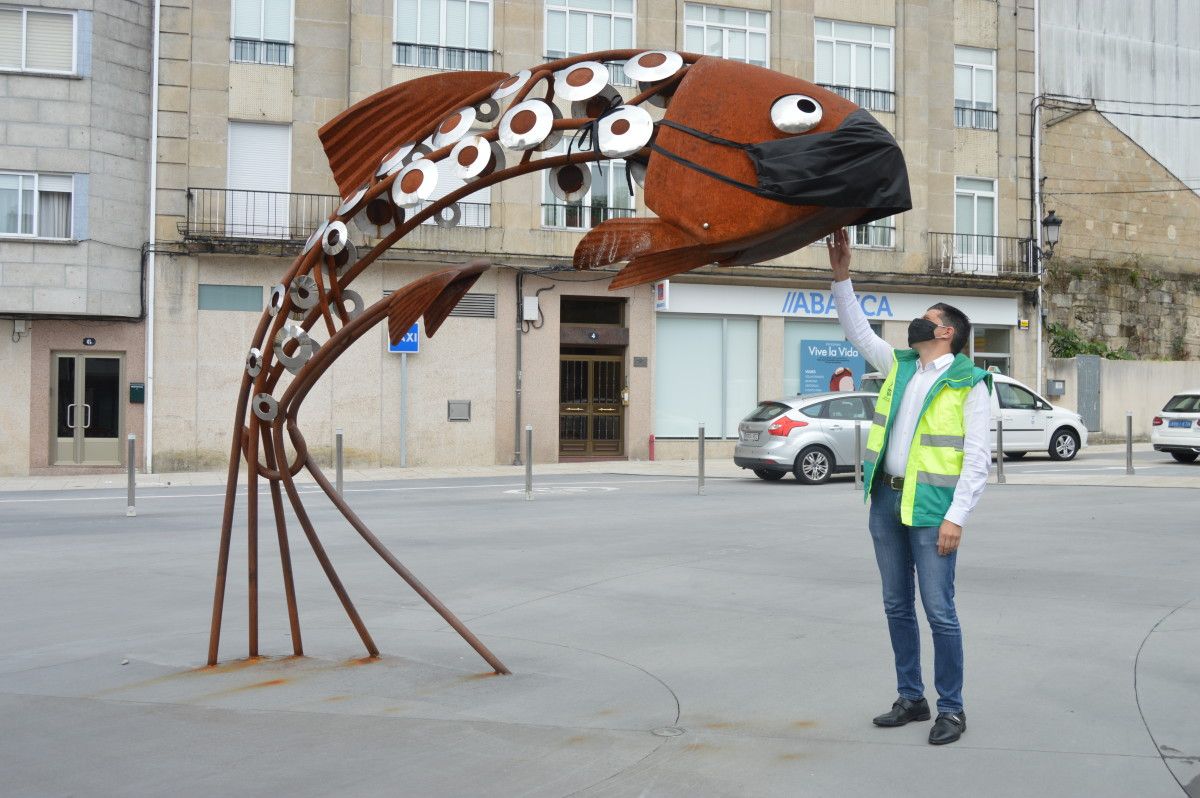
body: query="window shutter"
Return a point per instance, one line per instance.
(10, 38)
(260, 157)
(479, 27)
(49, 41)
(406, 21)
(247, 19)
(277, 20)
(456, 23)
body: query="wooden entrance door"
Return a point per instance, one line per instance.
(591, 418)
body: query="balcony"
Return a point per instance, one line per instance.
(579, 216)
(975, 118)
(432, 56)
(616, 70)
(258, 51)
(871, 99)
(230, 215)
(959, 253)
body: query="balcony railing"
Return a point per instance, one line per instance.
(432, 56)
(871, 99)
(959, 253)
(257, 51)
(616, 69)
(976, 118)
(580, 217)
(220, 213)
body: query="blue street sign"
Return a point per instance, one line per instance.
(410, 343)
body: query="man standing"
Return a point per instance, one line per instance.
(925, 467)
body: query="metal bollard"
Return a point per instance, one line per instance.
(1000, 452)
(858, 477)
(700, 471)
(528, 462)
(130, 504)
(337, 448)
(1129, 442)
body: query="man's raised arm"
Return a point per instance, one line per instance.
(854, 322)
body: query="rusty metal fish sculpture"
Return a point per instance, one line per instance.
(742, 164)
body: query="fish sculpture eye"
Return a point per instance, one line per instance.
(796, 113)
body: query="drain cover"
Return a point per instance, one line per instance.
(668, 731)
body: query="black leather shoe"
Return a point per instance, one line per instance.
(948, 727)
(904, 711)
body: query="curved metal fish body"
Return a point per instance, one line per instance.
(715, 173)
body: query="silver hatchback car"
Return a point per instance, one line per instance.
(811, 436)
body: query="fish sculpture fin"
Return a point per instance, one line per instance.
(452, 294)
(622, 239)
(660, 265)
(358, 139)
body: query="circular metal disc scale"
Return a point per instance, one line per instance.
(526, 125)
(581, 81)
(625, 131)
(415, 184)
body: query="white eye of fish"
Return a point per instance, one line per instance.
(796, 113)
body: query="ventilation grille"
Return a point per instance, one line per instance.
(476, 306)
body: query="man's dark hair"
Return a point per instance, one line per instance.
(953, 317)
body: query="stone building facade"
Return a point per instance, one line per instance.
(1127, 271)
(74, 133)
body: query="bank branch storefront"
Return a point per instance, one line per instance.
(720, 348)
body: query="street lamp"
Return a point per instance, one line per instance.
(1050, 228)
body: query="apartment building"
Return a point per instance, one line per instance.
(74, 133)
(242, 181)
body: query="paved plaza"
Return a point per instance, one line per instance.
(662, 643)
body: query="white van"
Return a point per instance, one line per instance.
(1031, 424)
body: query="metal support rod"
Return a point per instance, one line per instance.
(528, 462)
(857, 456)
(130, 503)
(1128, 442)
(1000, 451)
(403, 410)
(337, 448)
(700, 468)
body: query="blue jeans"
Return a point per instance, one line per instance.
(900, 552)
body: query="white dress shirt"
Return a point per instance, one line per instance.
(977, 457)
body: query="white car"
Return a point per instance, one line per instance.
(1177, 429)
(1031, 424)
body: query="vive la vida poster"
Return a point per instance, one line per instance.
(830, 366)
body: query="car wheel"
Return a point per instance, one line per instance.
(1064, 444)
(1185, 457)
(1014, 455)
(814, 465)
(769, 476)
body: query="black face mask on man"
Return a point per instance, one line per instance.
(921, 329)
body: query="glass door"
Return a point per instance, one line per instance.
(591, 410)
(86, 402)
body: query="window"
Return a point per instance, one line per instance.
(262, 32)
(260, 175)
(975, 88)
(879, 234)
(795, 332)
(231, 297)
(35, 205)
(1014, 397)
(574, 27)
(733, 33)
(609, 197)
(855, 61)
(35, 40)
(707, 373)
(975, 224)
(1183, 403)
(444, 34)
(992, 347)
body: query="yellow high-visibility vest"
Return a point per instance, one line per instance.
(935, 455)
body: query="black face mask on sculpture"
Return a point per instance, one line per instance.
(921, 329)
(859, 165)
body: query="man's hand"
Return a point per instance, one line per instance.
(949, 536)
(838, 245)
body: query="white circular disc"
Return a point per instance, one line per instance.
(303, 291)
(395, 160)
(336, 238)
(487, 111)
(454, 127)
(316, 236)
(511, 85)
(415, 183)
(474, 157)
(526, 124)
(351, 202)
(254, 361)
(571, 181)
(580, 81)
(265, 407)
(449, 216)
(606, 98)
(653, 65)
(624, 131)
(275, 303)
(796, 113)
